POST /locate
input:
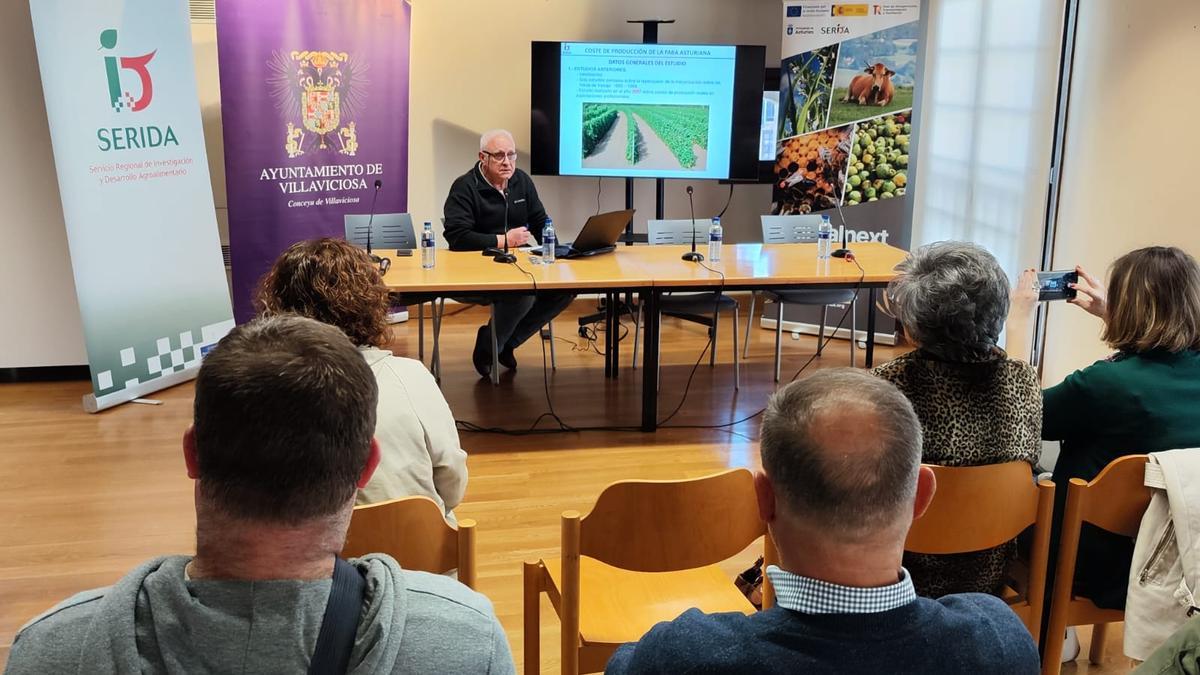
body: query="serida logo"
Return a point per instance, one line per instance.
(837, 29)
(122, 100)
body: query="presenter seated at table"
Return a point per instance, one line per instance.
(493, 201)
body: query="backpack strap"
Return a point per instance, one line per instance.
(340, 623)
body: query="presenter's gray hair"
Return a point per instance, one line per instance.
(487, 137)
(952, 299)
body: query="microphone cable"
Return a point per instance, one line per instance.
(728, 200)
(712, 336)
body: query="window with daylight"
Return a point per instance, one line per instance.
(991, 78)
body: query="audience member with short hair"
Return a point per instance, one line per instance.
(976, 405)
(1143, 398)
(334, 282)
(282, 438)
(840, 485)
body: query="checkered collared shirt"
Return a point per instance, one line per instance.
(813, 596)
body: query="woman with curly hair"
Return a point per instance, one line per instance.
(336, 283)
(976, 405)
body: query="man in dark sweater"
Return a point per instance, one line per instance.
(494, 202)
(840, 485)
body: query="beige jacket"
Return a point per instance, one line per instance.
(419, 447)
(1165, 574)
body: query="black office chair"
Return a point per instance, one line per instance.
(393, 231)
(482, 301)
(439, 310)
(800, 230)
(694, 307)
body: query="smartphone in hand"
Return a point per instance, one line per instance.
(1056, 285)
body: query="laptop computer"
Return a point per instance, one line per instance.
(599, 235)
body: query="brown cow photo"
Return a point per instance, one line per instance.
(873, 88)
(875, 75)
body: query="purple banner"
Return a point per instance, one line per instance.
(314, 104)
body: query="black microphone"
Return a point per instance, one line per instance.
(383, 266)
(505, 256)
(843, 251)
(692, 256)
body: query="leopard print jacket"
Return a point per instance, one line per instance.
(976, 413)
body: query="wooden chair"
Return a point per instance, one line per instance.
(1114, 501)
(979, 507)
(646, 553)
(414, 531)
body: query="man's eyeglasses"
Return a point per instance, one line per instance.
(501, 156)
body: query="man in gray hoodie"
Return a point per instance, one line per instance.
(282, 438)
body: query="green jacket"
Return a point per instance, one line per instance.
(1126, 405)
(1179, 655)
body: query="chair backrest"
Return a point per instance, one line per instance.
(677, 231)
(790, 229)
(388, 230)
(414, 531)
(979, 507)
(1116, 499)
(662, 526)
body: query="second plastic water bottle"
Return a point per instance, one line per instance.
(715, 236)
(548, 242)
(428, 247)
(824, 238)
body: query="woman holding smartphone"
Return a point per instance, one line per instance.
(1143, 398)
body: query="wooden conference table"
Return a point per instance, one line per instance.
(651, 271)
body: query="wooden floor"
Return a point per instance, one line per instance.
(87, 497)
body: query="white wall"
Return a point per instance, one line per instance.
(1132, 142)
(39, 315)
(204, 46)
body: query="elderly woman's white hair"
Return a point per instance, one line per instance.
(492, 134)
(952, 298)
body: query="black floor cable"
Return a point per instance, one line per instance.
(591, 333)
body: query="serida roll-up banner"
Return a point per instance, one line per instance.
(124, 116)
(849, 89)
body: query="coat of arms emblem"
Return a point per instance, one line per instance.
(317, 91)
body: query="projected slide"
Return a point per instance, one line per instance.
(651, 110)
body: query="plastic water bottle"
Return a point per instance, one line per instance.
(428, 247)
(715, 235)
(824, 238)
(548, 242)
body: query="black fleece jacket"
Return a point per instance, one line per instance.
(474, 211)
